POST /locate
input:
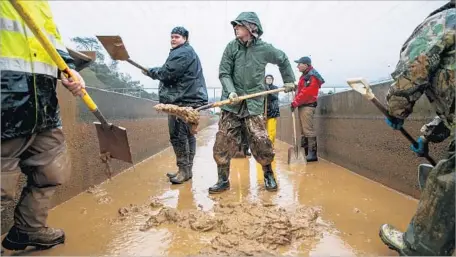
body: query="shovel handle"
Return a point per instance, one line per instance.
(241, 98)
(404, 132)
(137, 65)
(45, 42)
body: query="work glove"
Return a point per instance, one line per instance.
(233, 97)
(289, 87)
(394, 123)
(422, 149)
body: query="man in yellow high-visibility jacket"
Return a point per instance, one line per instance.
(32, 137)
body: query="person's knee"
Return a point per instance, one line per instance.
(54, 173)
(261, 147)
(224, 147)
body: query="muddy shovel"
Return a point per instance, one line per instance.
(116, 49)
(361, 86)
(295, 152)
(112, 139)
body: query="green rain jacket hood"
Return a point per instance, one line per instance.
(249, 17)
(242, 67)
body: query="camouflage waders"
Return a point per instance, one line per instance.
(432, 229)
(228, 140)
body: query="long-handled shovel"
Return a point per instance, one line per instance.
(295, 152)
(113, 140)
(361, 86)
(116, 49)
(192, 116)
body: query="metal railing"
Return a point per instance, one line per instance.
(215, 93)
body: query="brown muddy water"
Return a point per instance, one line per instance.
(319, 209)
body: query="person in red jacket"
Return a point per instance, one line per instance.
(306, 102)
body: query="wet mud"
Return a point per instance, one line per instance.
(319, 209)
(236, 229)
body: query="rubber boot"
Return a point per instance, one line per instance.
(305, 144)
(269, 181)
(172, 175)
(223, 182)
(393, 238)
(247, 152)
(43, 238)
(191, 155)
(312, 156)
(181, 177)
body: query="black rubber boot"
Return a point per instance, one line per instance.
(181, 177)
(223, 182)
(312, 156)
(269, 181)
(172, 175)
(305, 144)
(247, 152)
(44, 238)
(191, 154)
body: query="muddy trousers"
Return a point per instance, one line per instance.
(228, 138)
(432, 229)
(245, 141)
(183, 142)
(44, 160)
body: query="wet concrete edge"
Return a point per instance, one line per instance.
(353, 134)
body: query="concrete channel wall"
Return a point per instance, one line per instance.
(147, 133)
(353, 134)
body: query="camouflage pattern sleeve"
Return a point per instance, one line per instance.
(420, 57)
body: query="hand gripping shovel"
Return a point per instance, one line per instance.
(112, 139)
(361, 86)
(295, 152)
(116, 49)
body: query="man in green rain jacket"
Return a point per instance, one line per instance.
(241, 72)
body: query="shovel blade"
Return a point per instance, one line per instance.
(296, 156)
(115, 47)
(115, 141)
(423, 173)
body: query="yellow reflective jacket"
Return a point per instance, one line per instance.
(28, 74)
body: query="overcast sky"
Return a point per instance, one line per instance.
(344, 38)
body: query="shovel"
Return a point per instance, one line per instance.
(116, 49)
(82, 59)
(191, 115)
(361, 86)
(295, 152)
(112, 139)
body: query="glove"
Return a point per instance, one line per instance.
(394, 123)
(422, 149)
(289, 87)
(233, 97)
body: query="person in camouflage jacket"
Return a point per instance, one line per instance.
(241, 72)
(427, 66)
